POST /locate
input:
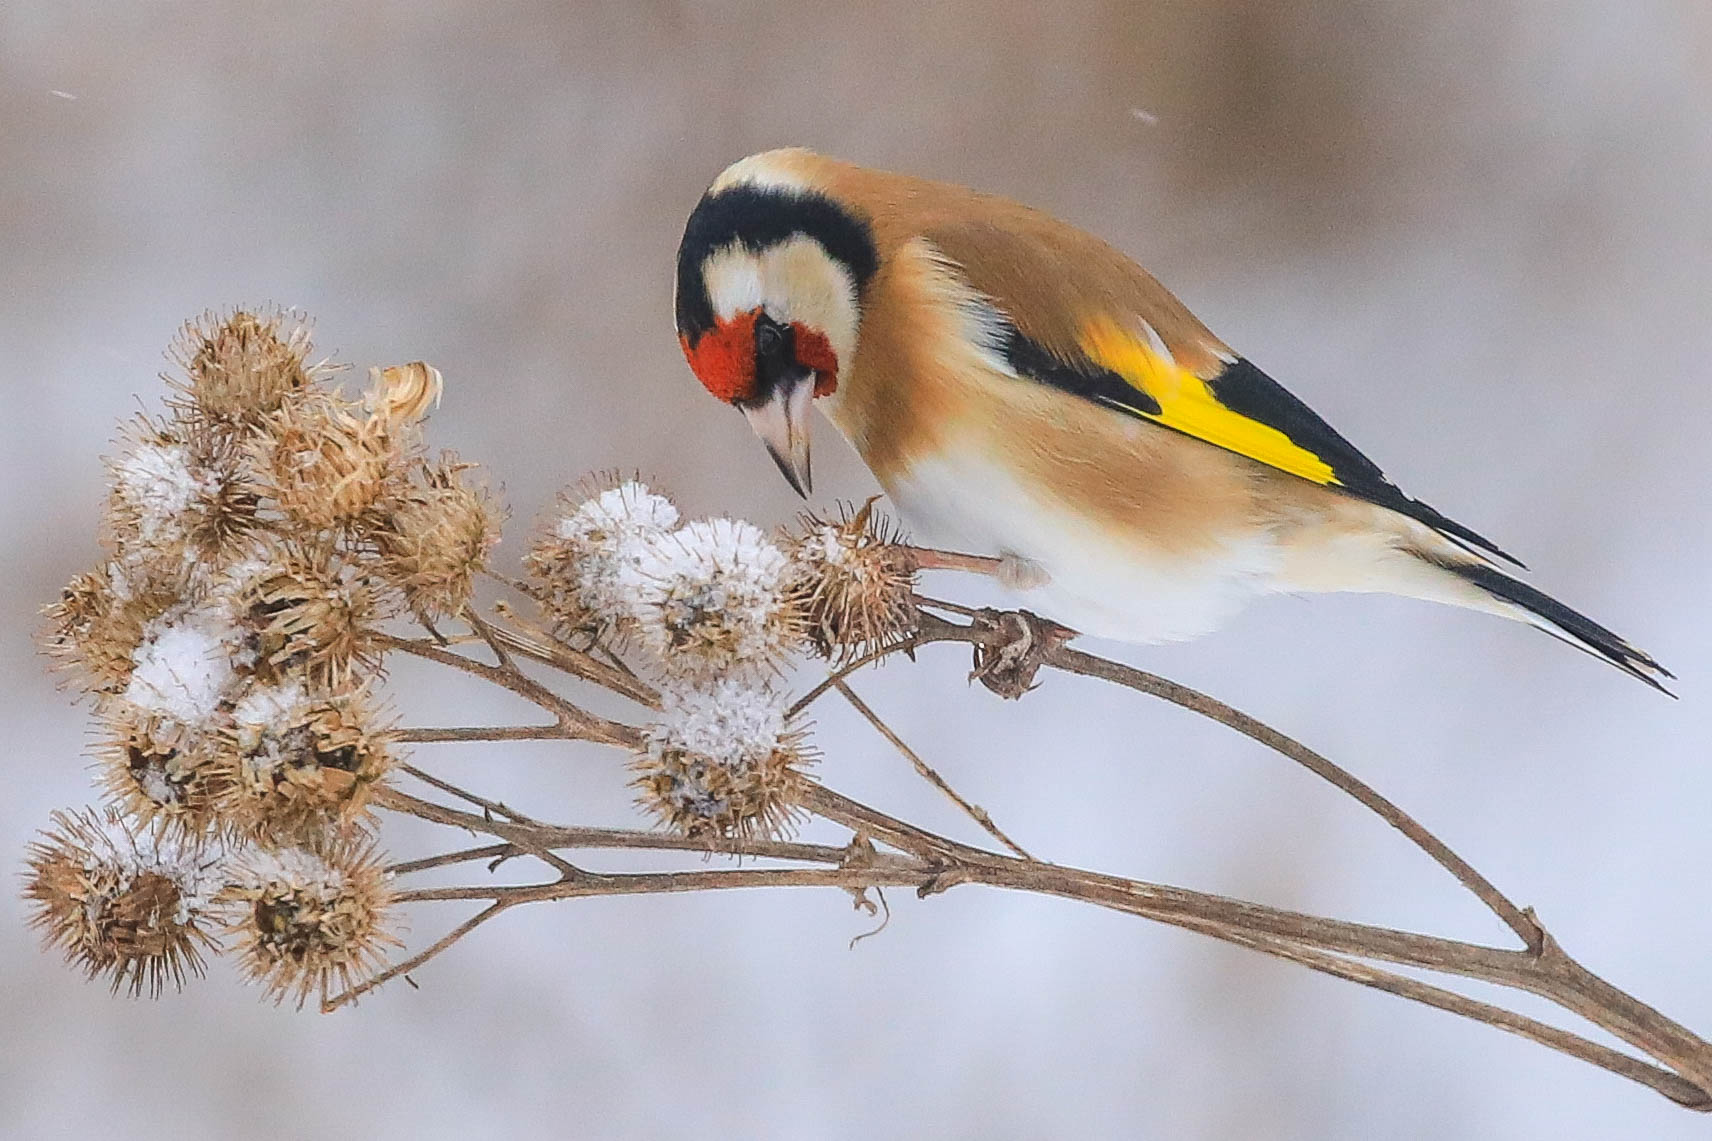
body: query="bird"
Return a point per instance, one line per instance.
(1021, 389)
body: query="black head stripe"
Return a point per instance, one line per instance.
(759, 217)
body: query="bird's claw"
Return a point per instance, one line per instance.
(1012, 646)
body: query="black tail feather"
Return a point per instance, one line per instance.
(1571, 626)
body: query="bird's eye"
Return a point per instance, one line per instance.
(769, 338)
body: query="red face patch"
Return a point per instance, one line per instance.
(813, 351)
(723, 358)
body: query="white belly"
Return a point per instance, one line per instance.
(1099, 585)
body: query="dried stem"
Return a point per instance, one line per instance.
(916, 857)
(974, 811)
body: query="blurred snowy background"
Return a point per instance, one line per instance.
(1476, 236)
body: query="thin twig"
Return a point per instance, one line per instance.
(485, 733)
(589, 726)
(1088, 665)
(564, 866)
(531, 640)
(329, 1005)
(557, 836)
(488, 635)
(934, 863)
(845, 670)
(461, 856)
(974, 811)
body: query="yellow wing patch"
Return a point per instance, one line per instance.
(1188, 404)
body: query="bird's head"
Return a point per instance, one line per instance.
(771, 273)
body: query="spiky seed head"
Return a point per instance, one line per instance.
(158, 773)
(179, 493)
(433, 536)
(324, 461)
(581, 560)
(310, 922)
(714, 597)
(298, 764)
(240, 367)
(132, 906)
(403, 393)
(856, 581)
(305, 616)
(722, 763)
(94, 628)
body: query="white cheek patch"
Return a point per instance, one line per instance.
(803, 283)
(733, 277)
(795, 280)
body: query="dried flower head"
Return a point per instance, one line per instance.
(713, 597)
(158, 773)
(404, 392)
(433, 537)
(324, 461)
(118, 903)
(297, 764)
(856, 581)
(581, 562)
(309, 922)
(305, 615)
(241, 367)
(98, 622)
(722, 763)
(185, 668)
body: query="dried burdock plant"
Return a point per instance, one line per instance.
(432, 536)
(722, 762)
(159, 773)
(326, 461)
(120, 903)
(94, 628)
(583, 560)
(296, 764)
(180, 495)
(403, 394)
(306, 921)
(857, 579)
(271, 542)
(713, 599)
(306, 611)
(241, 366)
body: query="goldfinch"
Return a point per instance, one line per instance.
(1021, 389)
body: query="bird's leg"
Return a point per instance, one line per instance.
(1020, 573)
(1014, 644)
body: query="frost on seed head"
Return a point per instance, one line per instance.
(157, 772)
(297, 763)
(722, 762)
(183, 669)
(714, 597)
(159, 484)
(131, 905)
(581, 563)
(309, 921)
(95, 627)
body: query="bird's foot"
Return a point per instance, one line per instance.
(1014, 644)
